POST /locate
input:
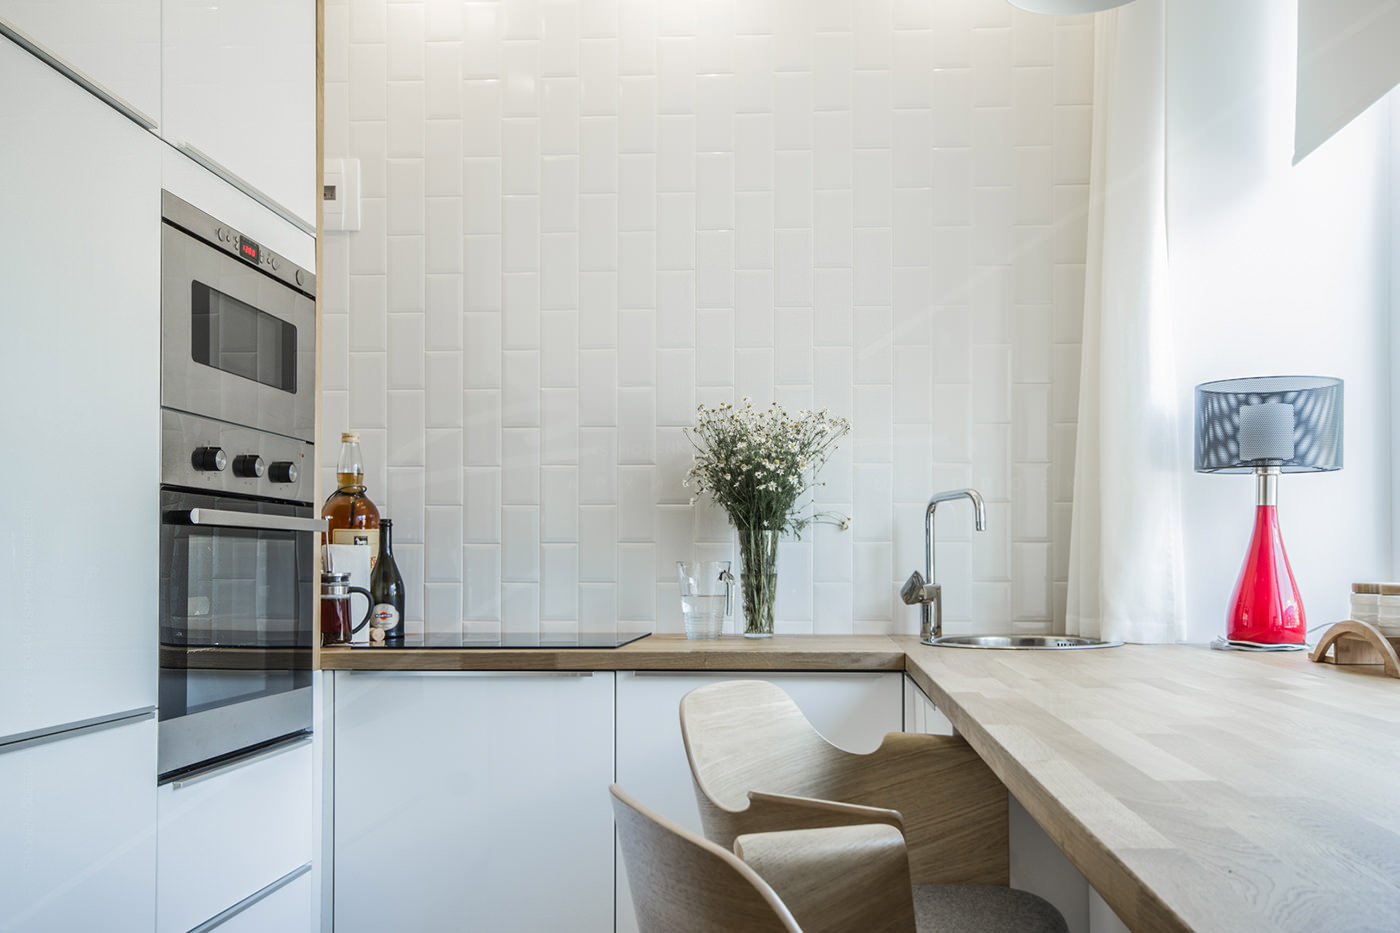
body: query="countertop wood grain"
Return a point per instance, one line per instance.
(654, 652)
(1195, 789)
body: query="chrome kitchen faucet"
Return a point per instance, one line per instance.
(920, 589)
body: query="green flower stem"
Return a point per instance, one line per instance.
(758, 579)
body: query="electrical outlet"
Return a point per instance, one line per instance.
(340, 196)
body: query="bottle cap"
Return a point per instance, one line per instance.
(349, 436)
(386, 523)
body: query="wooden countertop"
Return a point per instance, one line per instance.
(654, 652)
(1195, 789)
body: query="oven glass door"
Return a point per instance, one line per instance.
(236, 344)
(235, 625)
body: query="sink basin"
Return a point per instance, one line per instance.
(1043, 642)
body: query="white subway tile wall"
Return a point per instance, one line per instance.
(582, 218)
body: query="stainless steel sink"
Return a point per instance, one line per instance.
(1042, 642)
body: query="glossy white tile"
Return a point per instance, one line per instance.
(579, 221)
(597, 540)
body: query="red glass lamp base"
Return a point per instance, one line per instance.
(1266, 608)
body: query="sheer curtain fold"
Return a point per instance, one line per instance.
(1125, 565)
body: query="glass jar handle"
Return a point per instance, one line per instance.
(728, 579)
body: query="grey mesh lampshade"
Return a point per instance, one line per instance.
(1292, 422)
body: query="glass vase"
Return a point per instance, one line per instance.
(758, 579)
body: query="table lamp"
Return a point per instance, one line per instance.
(1268, 425)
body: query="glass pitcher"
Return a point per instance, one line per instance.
(707, 596)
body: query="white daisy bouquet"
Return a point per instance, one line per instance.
(758, 464)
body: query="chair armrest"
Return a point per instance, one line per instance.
(954, 807)
(777, 812)
(838, 878)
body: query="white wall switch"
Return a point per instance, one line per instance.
(340, 195)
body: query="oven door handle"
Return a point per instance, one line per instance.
(223, 518)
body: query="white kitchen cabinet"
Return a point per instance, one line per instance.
(852, 710)
(80, 309)
(285, 909)
(114, 43)
(473, 801)
(227, 833)
(920, 713)
(239, 80)
(77, 831)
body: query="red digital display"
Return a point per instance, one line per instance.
(249, 250)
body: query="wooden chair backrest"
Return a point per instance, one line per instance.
(684, 884)
(743, 735)
(749, 737)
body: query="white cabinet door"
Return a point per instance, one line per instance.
(920, 713)
(77, 832)
(229, 832)
(239, 78)
(80, 311)
(285, 910)
(854, 711)
(473, 801)
(115, 43)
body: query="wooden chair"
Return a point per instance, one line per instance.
(847, 878)
(759, 767)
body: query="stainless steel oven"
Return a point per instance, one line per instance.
(238, 528)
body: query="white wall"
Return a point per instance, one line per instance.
(1277, 269)
(584, 217)
(1392, 102)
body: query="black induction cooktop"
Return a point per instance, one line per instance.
(590, 638)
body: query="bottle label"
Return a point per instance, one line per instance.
(385, 616)
(369, 536)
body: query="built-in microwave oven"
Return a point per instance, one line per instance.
(238, 529)
(238, 327)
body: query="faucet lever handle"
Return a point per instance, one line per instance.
(914, 589)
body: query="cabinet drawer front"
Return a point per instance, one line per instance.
(227, 836)
(285, 910)
(76, 848)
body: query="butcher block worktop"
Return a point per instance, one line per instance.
(1195, 789)
(652, 653)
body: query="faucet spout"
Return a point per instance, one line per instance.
(933, 628)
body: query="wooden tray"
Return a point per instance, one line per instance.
(1354, 642)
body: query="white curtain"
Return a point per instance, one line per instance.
(1125, 566)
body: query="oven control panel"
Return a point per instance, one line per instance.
(204, 454)
(192, 220)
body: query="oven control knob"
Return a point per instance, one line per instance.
(283, 471)
(209, 459)
(248, 465)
